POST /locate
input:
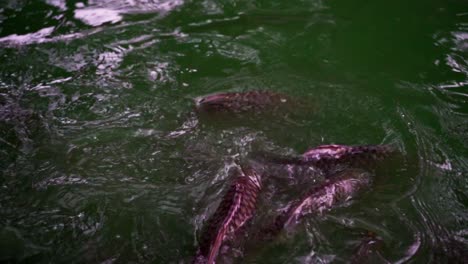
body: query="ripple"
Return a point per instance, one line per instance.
(95, 14)
(103, 159)
(63, 180)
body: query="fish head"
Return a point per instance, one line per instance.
(238, 102)
(212, 102)
(326, 151)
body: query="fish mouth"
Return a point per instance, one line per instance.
(198, 101)
(210, 99)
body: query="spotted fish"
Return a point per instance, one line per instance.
(334, 191)
(235, 210)
(237, 102)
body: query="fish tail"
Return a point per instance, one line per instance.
(216, 245)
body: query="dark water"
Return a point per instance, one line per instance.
(101, 161)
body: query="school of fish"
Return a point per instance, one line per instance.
(341, 165)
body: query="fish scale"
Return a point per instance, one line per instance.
(236, 208)
(327, 153)
(240, 101)
(336, 190)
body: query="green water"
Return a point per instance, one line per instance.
(101, 161)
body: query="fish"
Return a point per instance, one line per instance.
(336, 190)
(327, 156)
(238, 102)
(236, 208)
(368, 251)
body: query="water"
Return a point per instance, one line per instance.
(103, 162)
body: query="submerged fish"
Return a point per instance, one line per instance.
(368, 250)
(236, 208)
(334, 191)
(241, 108)
(238, 102)
(327, 156)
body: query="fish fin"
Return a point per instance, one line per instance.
(216, 245)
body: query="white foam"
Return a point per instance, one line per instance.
(60, 4)
(28, 38)
(97, 16)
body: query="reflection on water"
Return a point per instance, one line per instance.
(103, 158)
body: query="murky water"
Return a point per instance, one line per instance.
(103, 160)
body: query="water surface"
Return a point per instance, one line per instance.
(103, 162)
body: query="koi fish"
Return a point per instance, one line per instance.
(235, 210)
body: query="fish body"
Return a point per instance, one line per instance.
(334, 191)
(235, 210)
(327, 156)
(238, 102)
(338, 152)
